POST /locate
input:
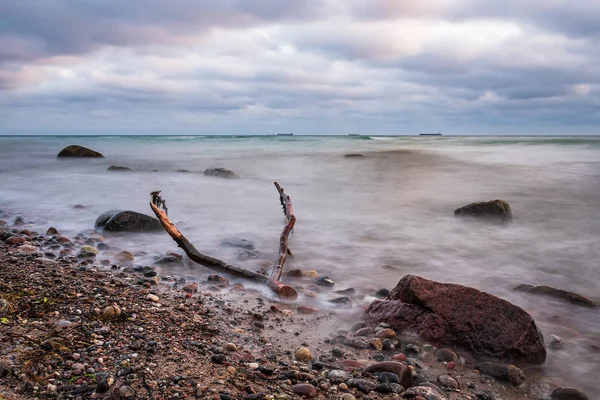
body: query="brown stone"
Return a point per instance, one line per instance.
(303, 355)
(305, 390)
(402, 370)
(191, 287)
(495, 209)
(454, 315)
(15, 240)
(568, 394)
(502, 372)
(111, 313)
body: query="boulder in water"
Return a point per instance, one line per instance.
(560, 294)
(126, 221)
(221, 173)
(104, 217)
(118, 168)
(79, 151)
(453, 315)
(495, 209)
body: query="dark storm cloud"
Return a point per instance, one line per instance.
(69, 27)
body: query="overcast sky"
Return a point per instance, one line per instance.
(302, 66)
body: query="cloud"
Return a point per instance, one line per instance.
(244, 66)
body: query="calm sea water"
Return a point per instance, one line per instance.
(394, 206)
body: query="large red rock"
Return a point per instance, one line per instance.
(453, 315)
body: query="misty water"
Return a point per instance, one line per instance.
(394, 206)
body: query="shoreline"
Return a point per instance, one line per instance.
(63, 337)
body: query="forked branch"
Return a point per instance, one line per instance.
(284, 291)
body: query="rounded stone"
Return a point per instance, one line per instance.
(448, 382)
(126, 392)
(446, 355)
(568, 394)
(125, 256)
(348, 396)
(230, 347)
(303, 355)
(111, 313)
(305, 390)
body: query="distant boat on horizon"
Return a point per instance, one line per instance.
(285, 134)
(431, 134)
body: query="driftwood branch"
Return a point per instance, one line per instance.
(286, 203)
(284, 291)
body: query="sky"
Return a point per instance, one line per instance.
(302, 66)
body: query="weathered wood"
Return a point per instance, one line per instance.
(286, 203)
(284, 291)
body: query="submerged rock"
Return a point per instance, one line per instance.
(560, 294)
(126, 221)
(455, 315)
(495, 209)
(568, 394)
(502, 372)
(118, 168)
(79, 151)
(221, 173)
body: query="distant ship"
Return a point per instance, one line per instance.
(430, 134)
(285, 134)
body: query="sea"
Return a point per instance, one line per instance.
(363, 221)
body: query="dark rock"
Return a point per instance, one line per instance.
(245, 255)
(305, 390)
(412, 350)
(52, 231)
(126, 221)
(568, 394)
(118, 168)
(19, 221)
(353, 155)
(346, 292)
(384, 388)
(103, 385)
(221, 173)
(78, 151)
(388, 377)
(168, 260)
(344, 300)
(560, 294)
(400, 369)
(485, 395)
(104, 218)
(238, 242)
(324, 281)
(365, 386)
(218, 358)
(337, 352)
(382, 293)
(495, 209)
(455, 315)
(502, 372)
(126, 392)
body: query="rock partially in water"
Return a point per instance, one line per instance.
(118, 168)
(353, 155)
(220, 172)
(400, 369)
(560, 294)
(554, 342)
(568, 394)
(169, 260)
(495, 209)
(502, 372)
(455, 315)
(126, 221)
(238, 243)
(79, 151)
